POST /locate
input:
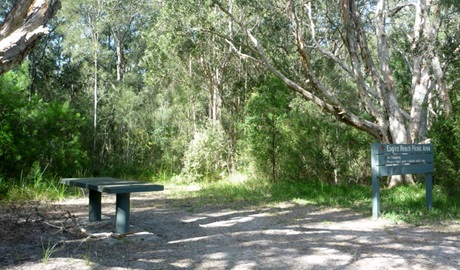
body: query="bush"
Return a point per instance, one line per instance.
(445, 134)
(207, 156)
(34, 133)
(288, 138)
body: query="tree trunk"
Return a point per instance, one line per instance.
(22, 28)
(95, 106)
(119, 59)
(217, 99)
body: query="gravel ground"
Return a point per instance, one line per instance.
(180, 234)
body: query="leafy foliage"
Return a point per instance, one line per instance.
(34, 133)
(446, 139)
(272, 138)
(287, 138)
(207, 155)
(174, 97)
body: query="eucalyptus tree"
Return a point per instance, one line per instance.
(353, 37)
(444, 132)
(173, 92)
(450, 48)
(192, 72)
(203, 54)
(84, 19)
(105, 39)
(123, 18)
(21, 29)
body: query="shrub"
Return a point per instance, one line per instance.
(36, 132)
(207, 155)
(445, 134)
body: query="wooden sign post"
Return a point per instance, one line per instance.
(399, 159)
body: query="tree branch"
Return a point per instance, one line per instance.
(397, 9)
(355, 74)
(332, 105)
(23, 27)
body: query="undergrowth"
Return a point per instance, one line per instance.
(400, 204)
(43, 189)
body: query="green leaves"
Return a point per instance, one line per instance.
(446, 140)
(33, 131)
(207, 156)
(287, 138)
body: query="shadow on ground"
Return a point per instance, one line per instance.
(179, 234)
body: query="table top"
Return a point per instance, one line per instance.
(112, 185)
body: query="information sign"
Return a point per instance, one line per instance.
(400, 159)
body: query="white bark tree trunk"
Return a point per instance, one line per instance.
(95, 37)
(119, 50)
(22, 28)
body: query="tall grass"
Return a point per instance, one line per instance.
(45, 189)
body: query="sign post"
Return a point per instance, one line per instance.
(399, 159)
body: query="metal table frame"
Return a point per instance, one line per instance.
(122, 189)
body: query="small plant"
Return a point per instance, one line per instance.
(88, 254)
(48, 250)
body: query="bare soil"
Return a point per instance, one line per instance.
(171, 233)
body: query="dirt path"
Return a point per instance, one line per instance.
(177, 234)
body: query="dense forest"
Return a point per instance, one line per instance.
(199, 90)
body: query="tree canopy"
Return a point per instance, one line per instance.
(360, 40)
(283, 90)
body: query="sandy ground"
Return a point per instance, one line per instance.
(180, 234)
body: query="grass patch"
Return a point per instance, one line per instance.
(258, 192)
(48, 250)
(41, 190)
(408, 204)
(400, 204)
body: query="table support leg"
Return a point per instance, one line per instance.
(429, 190)
(122, 215)
(94, 205)
(375, 197)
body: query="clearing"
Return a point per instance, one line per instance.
(173, 233)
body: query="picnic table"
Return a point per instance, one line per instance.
(122, 189)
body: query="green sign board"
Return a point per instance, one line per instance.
(399, 159)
